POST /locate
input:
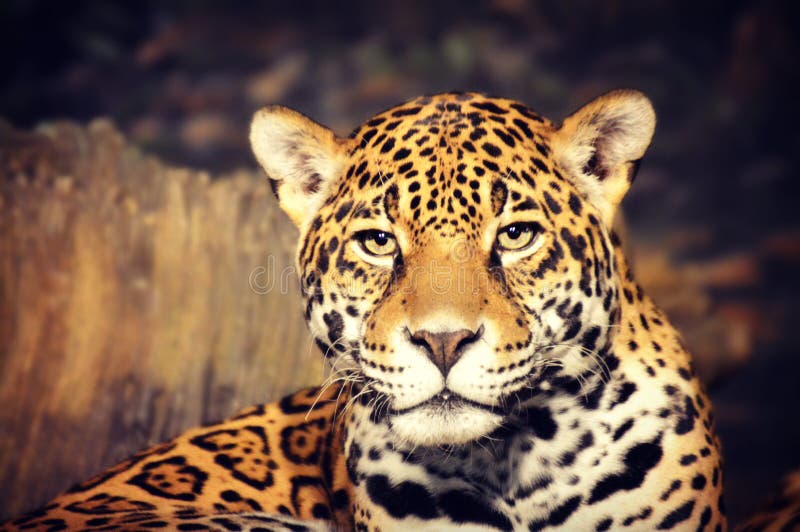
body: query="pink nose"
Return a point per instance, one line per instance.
(445, 348)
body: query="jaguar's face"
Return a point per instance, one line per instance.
(451, 264)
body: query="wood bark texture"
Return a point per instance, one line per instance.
(136, 300)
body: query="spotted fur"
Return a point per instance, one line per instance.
(482, 386)
(273, 467)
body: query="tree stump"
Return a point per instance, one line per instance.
(136, 300)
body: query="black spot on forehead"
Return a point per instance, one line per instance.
(391, 202)
(575, 204)
(498, 196)
(477, 134)
(507, 138)
(402, 153)
(409, 111)
(552, 203)
(490, 107)
(526, 112)
(388, 145)
(343, 210)
(491, 149)
(523, 126)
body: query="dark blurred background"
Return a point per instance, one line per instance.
(714, 205)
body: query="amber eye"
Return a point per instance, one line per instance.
(377, 243)
(517, 236)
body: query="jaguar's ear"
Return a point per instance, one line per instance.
(301, 158)
(601, 144)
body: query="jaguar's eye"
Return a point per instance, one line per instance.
(377, 243)
(517, 236)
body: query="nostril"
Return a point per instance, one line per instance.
(418, 338)
(444, 348)
(472, 337)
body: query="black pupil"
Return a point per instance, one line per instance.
(514, 232)
(381, 239)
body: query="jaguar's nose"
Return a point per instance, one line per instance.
(445, 348)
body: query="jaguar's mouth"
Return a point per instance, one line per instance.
(445, 399)
(444, 402)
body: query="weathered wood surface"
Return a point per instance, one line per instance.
(127, 311)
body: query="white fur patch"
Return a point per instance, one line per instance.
(432, 425)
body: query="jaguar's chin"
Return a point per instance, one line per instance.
(443, 421)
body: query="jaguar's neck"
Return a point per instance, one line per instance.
(533, 458)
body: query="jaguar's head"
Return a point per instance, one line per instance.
(455, 250)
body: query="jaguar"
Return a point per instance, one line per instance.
(494, 364)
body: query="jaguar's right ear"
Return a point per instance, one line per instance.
(301, 158)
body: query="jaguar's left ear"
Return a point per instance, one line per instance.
(601, 144)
